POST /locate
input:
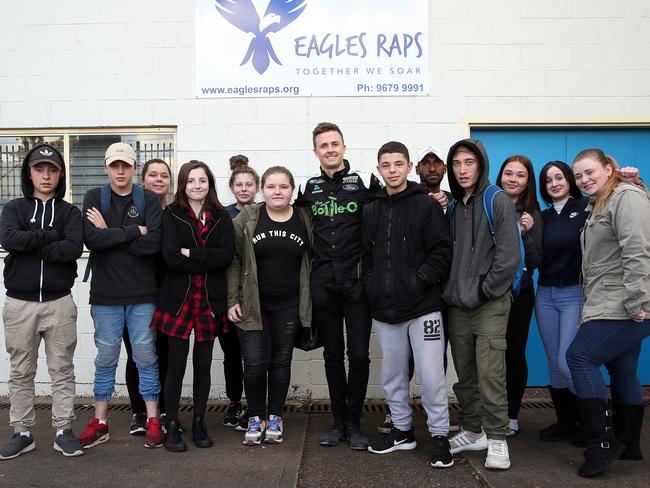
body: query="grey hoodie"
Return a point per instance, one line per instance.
(482, 267)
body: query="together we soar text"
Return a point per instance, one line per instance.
(333, 45)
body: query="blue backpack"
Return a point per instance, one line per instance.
(488, 205)
(105, 204)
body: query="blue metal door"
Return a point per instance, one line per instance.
(629, 146)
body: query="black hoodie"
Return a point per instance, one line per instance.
(44, 241)
(406, 254)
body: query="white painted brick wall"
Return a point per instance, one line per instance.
(74, 63)
(308, 373)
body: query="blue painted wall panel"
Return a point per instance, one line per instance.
(629, 146)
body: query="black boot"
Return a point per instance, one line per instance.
(603, 448)
(628, 420)
(174, 442)
(200, 433)
(566, 412)
(334, 436)
(357, 439)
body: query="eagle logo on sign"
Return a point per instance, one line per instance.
(243, 15)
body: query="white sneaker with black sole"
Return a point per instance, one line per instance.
(466, 440)
(498, 456)
(397, 440)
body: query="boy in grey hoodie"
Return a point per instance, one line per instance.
(478, 296)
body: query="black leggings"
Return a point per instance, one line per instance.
(233, 369)
(267, 361)
(133, 378)
(521, 312)
(177, 360)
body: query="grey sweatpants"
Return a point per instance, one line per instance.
(423, 336)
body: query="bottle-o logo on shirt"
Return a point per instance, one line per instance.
(133, 212)
(332, 207)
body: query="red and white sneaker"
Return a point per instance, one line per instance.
(95, 434)
(154, 436)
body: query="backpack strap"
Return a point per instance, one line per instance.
(488, 205)
(138, 200)
(105, 199)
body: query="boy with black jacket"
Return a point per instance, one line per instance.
(43, 236)
(124, 240)
(479, 298)
(406, 258)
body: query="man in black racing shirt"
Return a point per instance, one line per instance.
(335, 200)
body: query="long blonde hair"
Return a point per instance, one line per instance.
(613, 180)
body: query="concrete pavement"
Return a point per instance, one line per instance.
(300, 461)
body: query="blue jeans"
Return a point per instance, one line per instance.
(617, 345)
(109, 324)
(557, 310)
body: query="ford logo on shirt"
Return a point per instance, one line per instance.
(350, 187)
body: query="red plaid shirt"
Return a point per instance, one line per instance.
(195, 313)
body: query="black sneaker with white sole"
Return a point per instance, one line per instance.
(242, 425)
(387, 425)
(67, 444)
(397, 440)
(233, 414)
(441, 454)
(137, 424)
(17, 445)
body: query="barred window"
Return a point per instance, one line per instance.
(83, 151)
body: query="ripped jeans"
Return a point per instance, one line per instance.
(109, 323)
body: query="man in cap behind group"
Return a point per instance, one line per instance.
(430, 167)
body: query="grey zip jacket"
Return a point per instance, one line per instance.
(616, 256)
(482, 267)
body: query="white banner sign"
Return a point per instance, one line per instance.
(297, 48)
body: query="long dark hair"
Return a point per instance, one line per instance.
(566, 170)
(180, 198)
(527, 200)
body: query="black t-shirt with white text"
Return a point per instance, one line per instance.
(279, 247)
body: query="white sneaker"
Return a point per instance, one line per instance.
(497, 456)
(466, 440)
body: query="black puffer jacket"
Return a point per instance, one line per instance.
(406, 254)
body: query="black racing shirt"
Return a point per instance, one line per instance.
(335, 205)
